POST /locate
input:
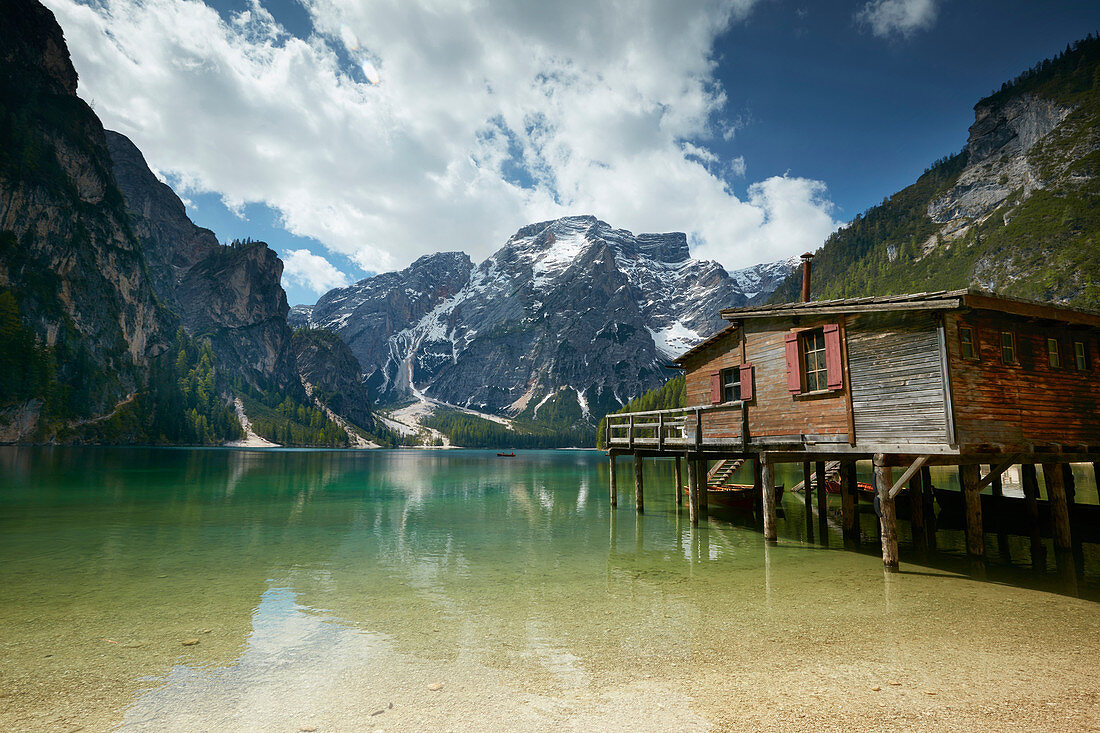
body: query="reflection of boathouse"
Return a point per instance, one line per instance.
(963, 378)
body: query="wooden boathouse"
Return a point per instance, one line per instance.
(964, 378)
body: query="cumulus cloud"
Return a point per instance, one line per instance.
(312, 271)
(399, 128)
(904, 17)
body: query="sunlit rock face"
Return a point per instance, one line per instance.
(569, 306)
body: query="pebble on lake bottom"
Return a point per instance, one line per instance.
(876, 688)
(307, 729)
(435, 686)
(190, 642)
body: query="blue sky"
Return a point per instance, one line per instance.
(354, 136)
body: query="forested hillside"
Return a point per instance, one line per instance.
(1016, 211)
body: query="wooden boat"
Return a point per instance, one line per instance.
(735, 497)
(506, 455)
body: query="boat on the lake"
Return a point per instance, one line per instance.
(735, 497)
(506, 455)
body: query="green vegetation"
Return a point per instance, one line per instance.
(668, 396)
(26, 367)
(1043, 246)
(286, 421)
(470, 431)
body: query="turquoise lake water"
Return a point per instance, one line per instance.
(454, 590)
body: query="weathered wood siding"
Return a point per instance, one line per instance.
(773, 412)
(896, 372)
(1030, 402)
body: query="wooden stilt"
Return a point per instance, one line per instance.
(757, 486)
(639, 500)
(1059, 507)
(848, 496)
(613, 486)
(999, 517)
(767, 485)
(969, 478)
(929, 499)
(1031, 501)
(693, 491)
(701, 471)
(822, 504)
(916, 511)
(888, 521)
(679, 480)
(808, 499)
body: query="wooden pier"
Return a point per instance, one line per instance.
(961, 378)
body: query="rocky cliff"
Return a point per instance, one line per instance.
(333, 375)
(570, 316)
(1016, 211)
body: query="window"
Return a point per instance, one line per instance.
(814, 359)
(1054, 354)
(966, 343)
(1008, 347)
(1079, 357)
(814, 368)
(731, 384)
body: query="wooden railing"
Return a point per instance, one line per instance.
(679, 428)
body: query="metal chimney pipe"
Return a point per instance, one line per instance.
(806, 276)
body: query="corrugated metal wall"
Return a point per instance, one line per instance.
(897, 379)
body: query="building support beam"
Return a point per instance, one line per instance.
(809, 500)
(970, 477)
(999, 516)
(639, 498)
(929, 499)
(849, 496)
(1059, 507)
(822, 504)
(679, 480)
(1031, 501)
(767, 486)
(888, 518)
(916, 511)
(701, 472)
(693, 491)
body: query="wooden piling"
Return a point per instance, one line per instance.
(822, 503)
(639, 500)
(1059, 507)
(757, 486)
(849, 493)
(970, 476)
(679, 480)
(929, 499)
(1031, 501)
(808, 499)
(704, 506)
(999, 516)
(888, 519)
(916, 511)
(693, 491)
(767, 485)
(613, 487)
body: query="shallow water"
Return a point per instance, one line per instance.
(325, 586)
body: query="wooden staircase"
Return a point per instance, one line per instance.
(832, 472)
(723, 470)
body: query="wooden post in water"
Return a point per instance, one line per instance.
(888, 521)
(1059, 507)
(970, 475)
(613, 487)
(1031, 501)
(999, 516)
(757, 486)
(679, 479)
(916, 511)
(822, 504)
(639, 500)
(808, 498)
(767, 488)
(929, 499)
(693, 491)
(849, 493)
(704, 508)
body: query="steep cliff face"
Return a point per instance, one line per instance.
(68, 255)
(570, 316)
(1016, 211)
(333, 374)
(229, 294)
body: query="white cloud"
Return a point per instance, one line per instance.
(312, 271)
(414, 146)
(904, 17)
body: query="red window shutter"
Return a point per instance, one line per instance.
(834, 378)
(746, 382)
(715, 388)
(794, 372)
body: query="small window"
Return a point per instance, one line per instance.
(1054, 354)
(1079, 357)
(966, 343)
(814, 364)
(1008, 347)
(731, 384)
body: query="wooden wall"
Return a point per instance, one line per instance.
(1026, 403)
(773, 412)
(896, 374)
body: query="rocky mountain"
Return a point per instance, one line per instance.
(1016, 211)
(331, 374)
(570, 319)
